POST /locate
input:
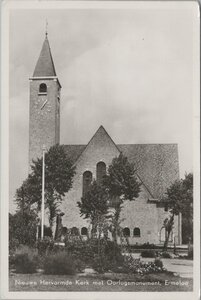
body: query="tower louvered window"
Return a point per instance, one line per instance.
(43, 88)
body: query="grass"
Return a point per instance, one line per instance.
(109, 282)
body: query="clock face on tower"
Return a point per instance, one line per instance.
(42, 106)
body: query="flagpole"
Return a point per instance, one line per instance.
(43, 195)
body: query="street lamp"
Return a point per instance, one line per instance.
(43, 194)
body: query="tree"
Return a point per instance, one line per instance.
(94, 204)
(121, 180)
(179, 199)
(121, 184)
(187, 209)
(59, 173)
(22, 228)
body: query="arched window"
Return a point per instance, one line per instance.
(43, 88)
(74, 231)
(100, 171)
(126, 232)
(84, 231)
(87, 179)
(136, 232)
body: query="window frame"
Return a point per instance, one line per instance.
(100, 172)
(136, 235)
(75, 231)
(84, 180)
(84, 228)
(126, 235)
(41, 91)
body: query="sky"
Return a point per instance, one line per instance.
(128, 70)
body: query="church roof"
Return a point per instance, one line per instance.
(45, 65)
(74, 151)
(157, 164)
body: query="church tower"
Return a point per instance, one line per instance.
(44, 118)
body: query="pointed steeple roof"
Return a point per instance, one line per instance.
(45, 65)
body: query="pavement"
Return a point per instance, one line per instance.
(180, 267)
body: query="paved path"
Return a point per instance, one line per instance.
(181, 267)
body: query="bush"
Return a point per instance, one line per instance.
(145, 246)
(166, 255)
(22, 227)
(148, 253)
(107, 255)
(24, 249)
(113, 251)
(102, 255)
(13, 245)
(135, 266)
(45, 246)
(11, 261)
(100, 264)
(61, 263)
(158, 263)
(24, 263)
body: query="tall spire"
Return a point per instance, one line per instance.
(45, 65)
(46, 25)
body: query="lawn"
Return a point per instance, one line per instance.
(109, 282)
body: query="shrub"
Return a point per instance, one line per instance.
(100, 264)
(166, 255)
(22, 227)
(158, 263)
(107, 255)
(11, 261)
(24, 263)
(113, 251)
(79, 249)
(61, 263)
(135, 266)
(148, 253)
(102, 255)
(13, 245)
(46, 245)
(24, 249)
(145, 246)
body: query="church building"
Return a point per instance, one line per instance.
(157, 164)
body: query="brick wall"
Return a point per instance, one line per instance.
(139, 213)
(43, 129)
